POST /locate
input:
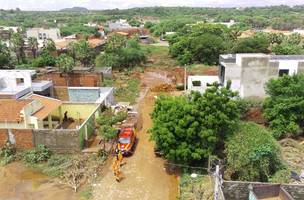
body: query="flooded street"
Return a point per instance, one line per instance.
(20, 183)
(145, 175)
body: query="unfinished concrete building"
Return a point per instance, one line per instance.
(250, 72)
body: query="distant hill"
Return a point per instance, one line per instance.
(75, 9)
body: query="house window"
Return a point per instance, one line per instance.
(222, 74)
(196, 83)
(44, 36)
(283, 71)
(19, 81)
(40, 36)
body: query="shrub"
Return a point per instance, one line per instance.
(253, 154)
(188, 129)
(39, 154)
(119, 117)
(281, 176)
(7, 153)
(284, 107)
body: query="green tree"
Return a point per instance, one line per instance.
(206, 48)
(17, 46)
(45, 59)
(4, 55)
(120, 52)
(201, 43)
(49, 45)
(71, 50)
(287, 49)
(284, 108)
(33, 45)
(83, 53)
(65, 63)
(188, 129)
(257, 44)
(252, 154)
(148, 25)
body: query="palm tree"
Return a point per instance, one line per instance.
(17, 46)
(33, 45)
(65, 64)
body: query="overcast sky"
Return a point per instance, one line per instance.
(122, 4)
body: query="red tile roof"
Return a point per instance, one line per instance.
(10, 109)
(49, 105)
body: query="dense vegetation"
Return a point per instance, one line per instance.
(204, 42)
(188, 129)
(252, 154)
(278, 17)
(121, 53)
(284, 108)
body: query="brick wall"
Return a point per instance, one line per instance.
(295, 190)
(61, 93)
(3, 137)
(239, 190)
(23, 138)
(58, 140)
(77, 79)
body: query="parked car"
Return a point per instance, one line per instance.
(126, 141)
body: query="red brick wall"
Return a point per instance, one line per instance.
(61, 93)
(3, 137)
(23, 137)
(92, 79)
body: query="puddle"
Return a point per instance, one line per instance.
(20, 183)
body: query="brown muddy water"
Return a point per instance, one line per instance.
(20, 183)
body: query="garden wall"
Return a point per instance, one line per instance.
(58, 140)
(239, 190)
(22, 138)
(76, 79)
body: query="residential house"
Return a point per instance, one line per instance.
(249, 73)
(118, 25)
(27, 113)
(6, 32)
(17, 83)
(42, 34)
(228, 24)
(201, 83)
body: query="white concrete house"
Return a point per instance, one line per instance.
(42, 34)
(17, 83)
(250, 72)
(201, 83)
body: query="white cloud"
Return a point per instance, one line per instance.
(111, 4)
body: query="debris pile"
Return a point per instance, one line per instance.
(293, 153)
(163, 88)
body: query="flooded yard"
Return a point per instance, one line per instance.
(20, 183)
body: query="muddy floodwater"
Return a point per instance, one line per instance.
(20, 183)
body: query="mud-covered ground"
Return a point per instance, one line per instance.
(146, 177)
(20, 183)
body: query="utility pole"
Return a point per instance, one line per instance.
(216, 184)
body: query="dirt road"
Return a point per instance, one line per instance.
(19, 183)
(145, 175)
